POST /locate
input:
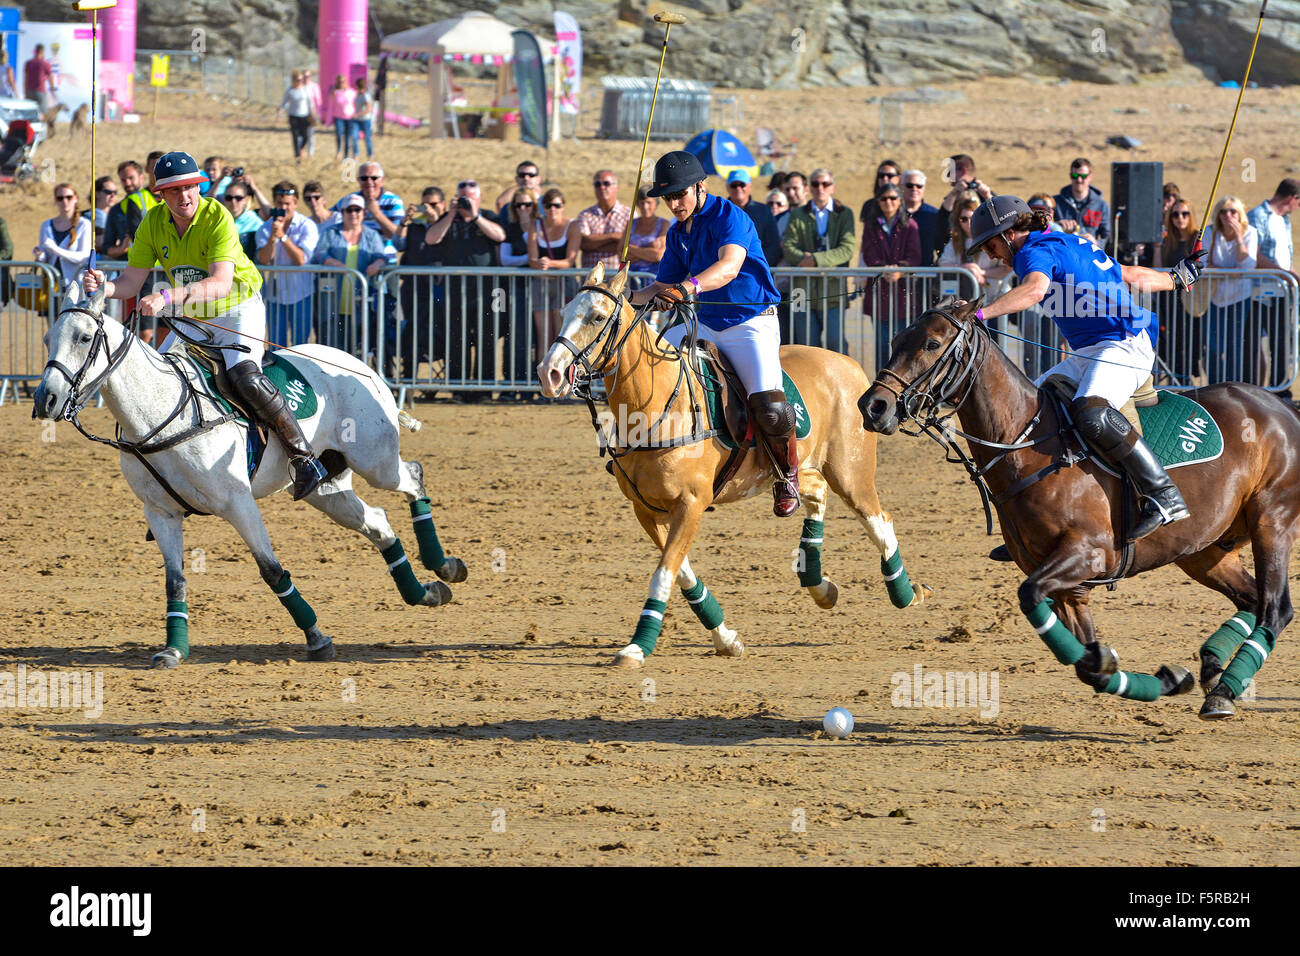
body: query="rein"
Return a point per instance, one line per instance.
(140, 447)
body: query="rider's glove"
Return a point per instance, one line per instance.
(668, 299)
(1187, 271)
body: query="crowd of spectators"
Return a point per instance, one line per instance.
(464, 322)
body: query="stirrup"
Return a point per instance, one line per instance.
(305, 482)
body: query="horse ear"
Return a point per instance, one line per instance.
(597, 274)
(72, 293)
(97, 300)
(619, 282)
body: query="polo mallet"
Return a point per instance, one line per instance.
(667, 19)
(1232, 126)
(94, 6)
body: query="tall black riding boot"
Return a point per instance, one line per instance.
(1111, 435)
(775, 424)
(266, 402)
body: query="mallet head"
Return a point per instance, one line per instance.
(665, 17)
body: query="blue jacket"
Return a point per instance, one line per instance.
(332, 245)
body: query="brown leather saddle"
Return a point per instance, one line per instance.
(210, 362)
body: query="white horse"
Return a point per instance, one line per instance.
(182, 454)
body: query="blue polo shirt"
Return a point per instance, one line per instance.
(717, 224)
(1087, 298)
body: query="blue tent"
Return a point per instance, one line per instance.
(719, 153)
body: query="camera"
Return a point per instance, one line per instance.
(237, 172)
(277, 213)
(462, 202)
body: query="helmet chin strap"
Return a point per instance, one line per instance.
(699, 201)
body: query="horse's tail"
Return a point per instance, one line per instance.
(409, 422)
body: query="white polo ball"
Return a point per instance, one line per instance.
(838, 722)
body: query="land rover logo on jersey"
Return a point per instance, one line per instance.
(184, 275)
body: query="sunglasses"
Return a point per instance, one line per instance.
(913, 185)
(1080, 175)
(1180, 215)
(892, 197)
(778, 205)
(604, 183)
(366, 179)
(356, 209)
(823, 184)
(532, 175)
(467, 184)
(523, 205)
(65, 198)
(232, 198)
(886, 175)
(555, 205)
(312, 197)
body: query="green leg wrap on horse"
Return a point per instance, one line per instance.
(178, 627)
(1132, 686)
(1065, 647)
(704, 604)
(1224, 642)
(400, 568)
(426, 534)
(897, 582)
(810, 547)
(648, 625)
(294, 602)
(1250, 658)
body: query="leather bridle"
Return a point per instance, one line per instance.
(74, 403)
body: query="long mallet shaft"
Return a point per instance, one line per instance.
(667, 19)
(94, 6)
(1232, 126)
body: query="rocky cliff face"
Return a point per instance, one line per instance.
(792, 43)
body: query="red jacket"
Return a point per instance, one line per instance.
(902, 247)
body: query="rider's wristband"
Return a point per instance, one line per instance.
(979, 314)
(167, 297)
(695, 282)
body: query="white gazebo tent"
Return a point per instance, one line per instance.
(475, 37)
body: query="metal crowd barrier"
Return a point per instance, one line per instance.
(471, 329)
(22, 329)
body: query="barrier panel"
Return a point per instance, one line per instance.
(29, 294)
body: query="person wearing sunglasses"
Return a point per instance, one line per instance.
(314, 205)
(236, 199)
(890, 238)
(820, 235)
(1184, 349)
(67, 237)
(712, 255)
(528, 175)
(384, 208)
(106, 195)
(602, 225)
(1080, 207)
(469, 236)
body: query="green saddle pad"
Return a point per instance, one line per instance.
(719, 421)
(1180, 431)
(285, 376)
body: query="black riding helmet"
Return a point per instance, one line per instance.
(676, 171)
(994, 216)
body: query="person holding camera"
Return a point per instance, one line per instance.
(960, 172)
(421, 296)
(468, 236)
(287, 239)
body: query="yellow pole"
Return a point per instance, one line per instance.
(1232, 126)
(668, 19)
(94, 6)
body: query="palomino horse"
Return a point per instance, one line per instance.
(1062, 520)
(669, 478)
(180, 454)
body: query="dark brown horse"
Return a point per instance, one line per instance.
(1062, 522)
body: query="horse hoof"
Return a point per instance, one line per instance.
(1217, 707)
(453, 570)
(734, 649)
(630, 656)
(166, 659)
(435, 594)
(825, 595)
(919, 594)
(1211, 671)
(1174, 680)
(322, 652)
